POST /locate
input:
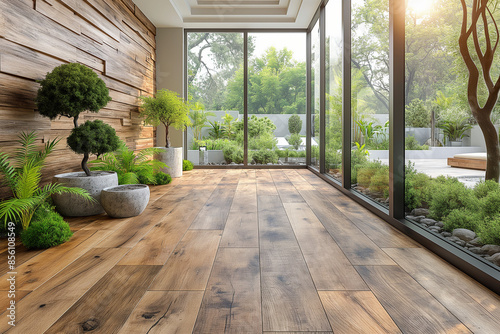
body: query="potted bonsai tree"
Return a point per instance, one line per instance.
(169, 109)
(67, 91)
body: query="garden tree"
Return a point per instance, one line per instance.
(276, 85)
(167, 108)
(69, 90)
(93, 137)
(213, 58)
(294, 124)
(480, 34)
(417, 115)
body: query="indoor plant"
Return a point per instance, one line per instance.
(132, 167)
(67, 91)
(169, 109)
(22, 174)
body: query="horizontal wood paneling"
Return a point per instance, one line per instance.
(113, 38)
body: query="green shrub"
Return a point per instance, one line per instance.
(294, 124)
(481, 189)
(417, 115)
(380, 181)
(130, 167)
(489, 230)
(462, 218)
(490, 204)
(295, 140)
(450, 194)
(162, 178)
(418, 189)
(233, 153)
(187, 165)
(412, 144)
(366, 171)
(265, 140)
(333, 159)
(47, 229)
(264, 156)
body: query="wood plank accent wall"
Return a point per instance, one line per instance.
(113, 37)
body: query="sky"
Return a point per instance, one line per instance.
(292, 41)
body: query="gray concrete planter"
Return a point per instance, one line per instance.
(126, 200)
(70, 205)
(172, 157)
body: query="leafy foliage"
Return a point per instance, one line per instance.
(48, 229)
(294, 124)
(187, 165)
(162, 178)
(265, 156)
(411, 143)
(276, 85)
(69, 90)
(167, 108)
(130, 167)
(93, 137)
(233, 152)
(23, 177)
(417, 115)
(199, 119)
(295, 140)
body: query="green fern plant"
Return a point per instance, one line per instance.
(130, 167)
(23, 177)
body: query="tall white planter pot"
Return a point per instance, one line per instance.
(172, 157)
(71, 205)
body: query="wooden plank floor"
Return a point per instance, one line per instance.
(243, 251)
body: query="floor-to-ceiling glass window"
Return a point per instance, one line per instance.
(277, 98)
(315, 94)
(370, 98)
(215, 91)
(441, 130)
(333, 89)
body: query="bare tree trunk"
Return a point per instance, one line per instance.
(492, 146)
(84, 163)
(167, 139)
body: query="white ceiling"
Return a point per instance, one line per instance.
(227, 14)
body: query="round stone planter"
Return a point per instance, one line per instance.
(172, 157)
(126, 200)
(71, 205)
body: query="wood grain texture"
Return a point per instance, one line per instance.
(157, 245)
(472, 303)
(290, 301)
(107, 305)
(188, 268)
(242, 226)
(117, 42)
(381, 233)
(164, 312)
(356, 312)
(329, 267)
(213, 215)
(411, 307)
(232, 300)
(356, 245)
(43, 307)
(40, 268)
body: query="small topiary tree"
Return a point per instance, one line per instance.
(294, 124)
(94, 137)
(166, 108)
(69, 90)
